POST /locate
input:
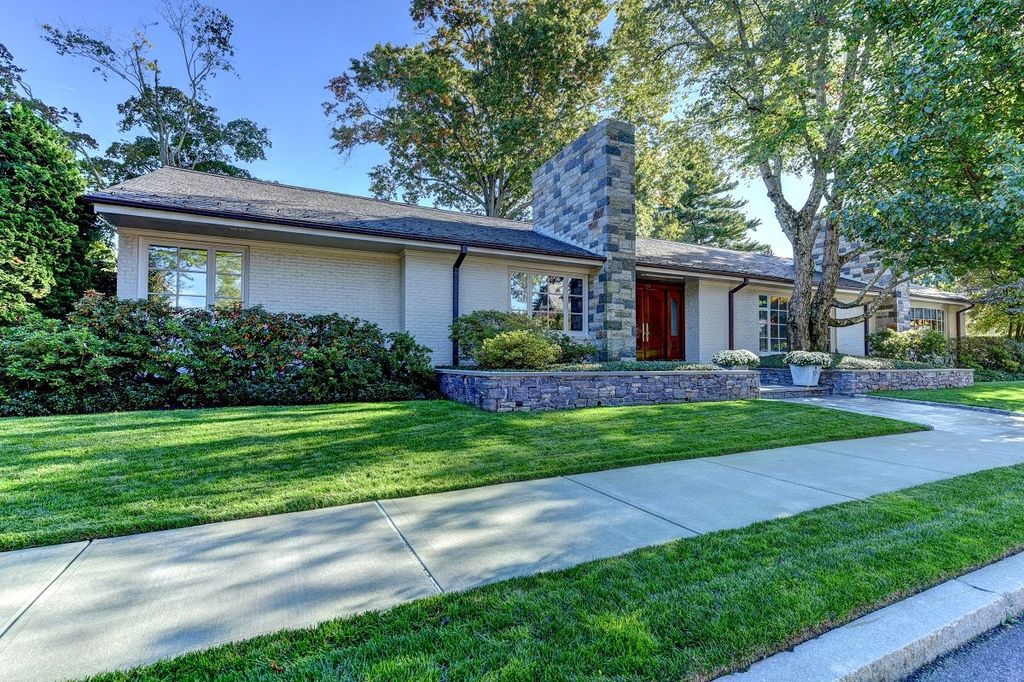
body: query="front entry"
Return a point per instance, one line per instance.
(659, 321)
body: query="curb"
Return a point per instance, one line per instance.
(893, 642)
(933, 403)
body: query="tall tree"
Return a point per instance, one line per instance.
(937, 152)
(494, 90)
(15, 88)
(39, 183)
(683, 190)
(180, 127)
(788, 87)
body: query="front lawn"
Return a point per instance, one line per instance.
(74, 477)
(688, 610)
(1002, 395)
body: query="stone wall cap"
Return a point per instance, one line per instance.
(593, 373)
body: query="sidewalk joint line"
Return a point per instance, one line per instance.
(21, 612)
(634, 506)
(885, 461)
(405, 541)
(785, 480)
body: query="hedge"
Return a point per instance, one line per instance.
(112, 354)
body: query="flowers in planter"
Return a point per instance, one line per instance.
(806, 358)
(736, 358)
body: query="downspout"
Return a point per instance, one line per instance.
(455, 299)
(732, 313)
(959, 313)
(959, 330)
(867, 343)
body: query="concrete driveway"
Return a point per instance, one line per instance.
(82, 608)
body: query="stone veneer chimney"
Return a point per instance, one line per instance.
(864, 268)
(585, 195)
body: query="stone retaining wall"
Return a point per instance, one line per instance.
(526, 391)
(851, 381)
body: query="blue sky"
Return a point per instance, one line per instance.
(284, 55)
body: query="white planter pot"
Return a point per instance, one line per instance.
(805, 375)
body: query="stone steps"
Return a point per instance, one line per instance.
(780, 392)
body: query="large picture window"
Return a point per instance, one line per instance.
(195, 276)
(558, 300)
(928, 317)
(773, 317)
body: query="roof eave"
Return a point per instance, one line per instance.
(339, 227)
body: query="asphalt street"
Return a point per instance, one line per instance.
(994, 657)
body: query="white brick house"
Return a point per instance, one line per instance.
(198, 239)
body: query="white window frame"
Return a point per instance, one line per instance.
(211, 264)
(768, 308)
(919, 317)
(548, 272)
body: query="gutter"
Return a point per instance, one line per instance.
(455, 299)
(732, 312)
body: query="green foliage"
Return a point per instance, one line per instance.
(130, 355)
(843, 361)
(472, 329)
(180, 128)
(993, 353)
(519, 349)
(682, 187)
(467, 115)
(937, 158)
(803, 358)
(736, 358)
(39, 183)
(635, 366)
(196, 135)
(921, 344)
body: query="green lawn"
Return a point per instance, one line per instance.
(1002, 395)
(690, 609)
(69, 478)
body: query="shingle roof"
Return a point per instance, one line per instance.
(186, 191)
(179, 190)
(713, 260)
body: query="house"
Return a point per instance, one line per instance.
(197, 239)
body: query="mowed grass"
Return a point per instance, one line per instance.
(688, 610)
(1002, 395)
(76, 477)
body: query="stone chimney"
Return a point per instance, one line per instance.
(864, 268)
(585, 195)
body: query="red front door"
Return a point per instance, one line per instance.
(659, 315)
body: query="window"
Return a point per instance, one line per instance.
(195, 276)
(558, 300)
(928, 317)
(773, 315)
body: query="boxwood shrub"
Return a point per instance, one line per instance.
(112, 354)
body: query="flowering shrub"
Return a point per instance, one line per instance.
(805, 358)
(472, 329)
(736, 358)
(919, 345)
(519, 349)
(129, 355)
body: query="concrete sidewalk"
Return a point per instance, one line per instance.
(81, 608)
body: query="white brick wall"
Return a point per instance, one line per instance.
(127, 265)
(849, 340)
(293, 278)
(286, 278)
(714, 318)
(427, 282)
